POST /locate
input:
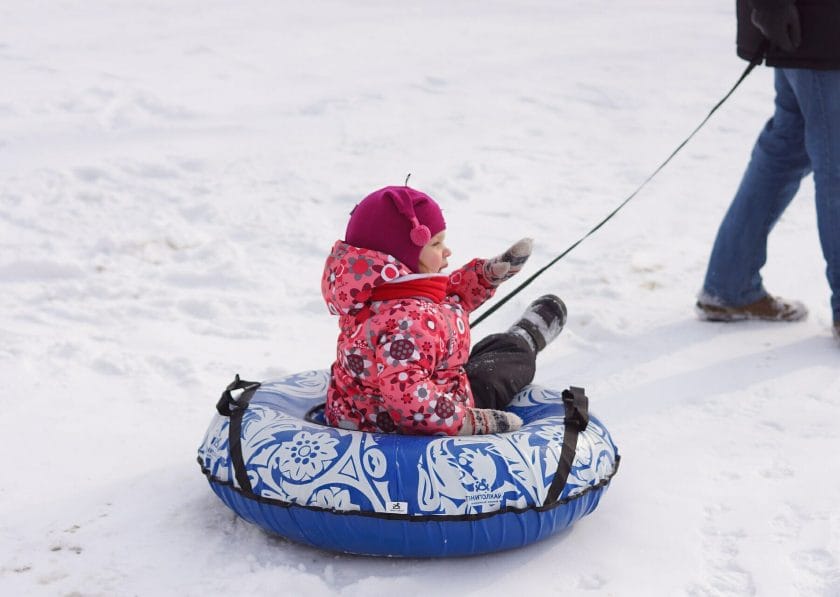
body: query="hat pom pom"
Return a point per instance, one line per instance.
(420, 235)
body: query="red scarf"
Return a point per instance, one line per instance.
(433, 288)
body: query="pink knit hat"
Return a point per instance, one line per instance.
(395, 220)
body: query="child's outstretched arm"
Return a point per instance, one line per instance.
(476, 282)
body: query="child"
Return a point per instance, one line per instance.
(401, 361)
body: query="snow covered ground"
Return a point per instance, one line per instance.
(172, 174)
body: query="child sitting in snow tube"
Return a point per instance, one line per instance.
(402, 363)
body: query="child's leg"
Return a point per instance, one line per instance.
(502, 364)
(499, 366)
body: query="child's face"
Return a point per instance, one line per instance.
(434, 254)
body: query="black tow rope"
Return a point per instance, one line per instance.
(757, 59)
(234, 408)
(575, 420)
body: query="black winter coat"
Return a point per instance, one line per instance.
(820, 49)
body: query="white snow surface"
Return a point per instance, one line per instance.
(173, 173)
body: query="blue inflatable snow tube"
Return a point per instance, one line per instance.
(275, 464)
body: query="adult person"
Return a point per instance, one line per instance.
(803, 136)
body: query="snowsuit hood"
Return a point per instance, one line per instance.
(346, 267)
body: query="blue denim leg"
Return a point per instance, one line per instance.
(778, 163)
(818, 94)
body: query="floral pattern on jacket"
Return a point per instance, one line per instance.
(399, 363)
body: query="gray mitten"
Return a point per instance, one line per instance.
(484, 421)
(506, 265)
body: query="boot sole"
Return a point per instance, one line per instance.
(732, 316)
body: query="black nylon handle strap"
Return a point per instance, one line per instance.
(227, 404)
(236, 452)
(575, 421)
(235, 408)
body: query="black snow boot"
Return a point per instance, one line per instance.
(542, 321)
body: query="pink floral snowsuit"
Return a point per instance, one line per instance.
(399, 363)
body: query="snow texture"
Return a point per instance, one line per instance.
(173, 174)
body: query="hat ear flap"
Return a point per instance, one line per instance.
(420, 233)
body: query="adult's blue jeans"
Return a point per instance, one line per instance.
(803, 136)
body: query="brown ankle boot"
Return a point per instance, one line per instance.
(769, 308)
